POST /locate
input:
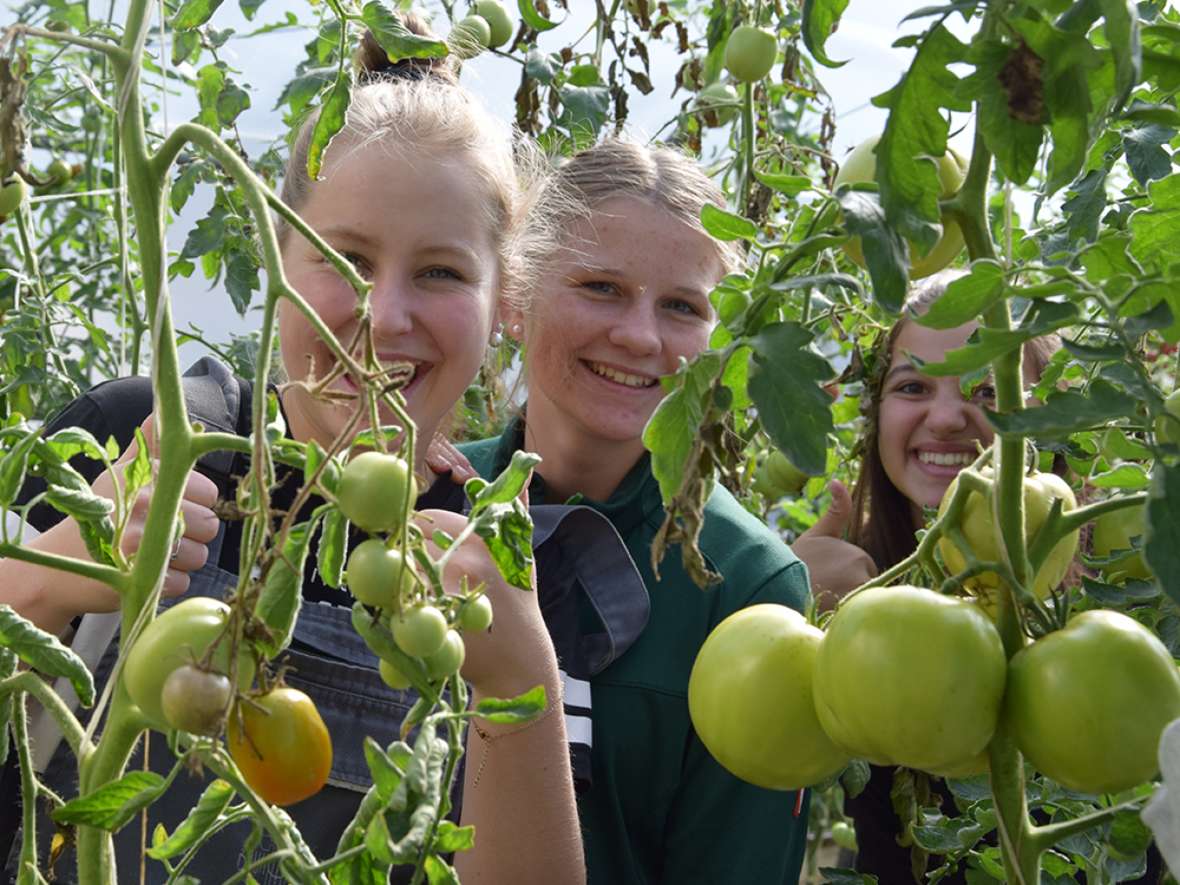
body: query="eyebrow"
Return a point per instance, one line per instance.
(898, 368)
(353, 235)
(347, 233)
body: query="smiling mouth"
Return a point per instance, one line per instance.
(946, 459)
(406, 372)
(638, 382)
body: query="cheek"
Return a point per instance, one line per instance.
(894, 424)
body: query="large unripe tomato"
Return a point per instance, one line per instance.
(372, 489)
(721, 99)
(1087, 703)
(420, 631)
(907, 676)
(1113, 532)
(979, 528)
(750, 53)
(750, 698)
(448, 658)
(500, 23)
(376, 574)
(281, 745)
(180, 635)
(861, 165)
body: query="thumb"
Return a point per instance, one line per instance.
(148, 429)
(834, 522)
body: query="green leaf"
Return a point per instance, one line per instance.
(330, 122)
(386, 774)
(915, 134)
(506, 711)
(542, 67)
(451, 838)
(784, 184)
(507, 532)
(280, 600)
(820, 18)
(208, 235)
(1083, 210)
(785, 379)
(299, 92)
(1146, 148)
(13, 468)
(1121, 23)
(886, 252)
(203, 815)
(438, 871)
(1067, 411)
(506, 487)
(1162, 544)
(1155, 229)
(250, 8)
(584, 107)
(232, 100)
(671, 431)
(395, 38)
(726, 225)
(241, 279)
(194, 13)
(210, 80)
(330, 553)
(184, 185)
(114, 804)
(988, 344)
(967, 297)
(1131, 477)
(533, 18)
(44, 653)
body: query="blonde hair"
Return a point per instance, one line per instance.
(616, 168)
(418, 104)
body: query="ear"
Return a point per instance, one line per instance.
(513, 320)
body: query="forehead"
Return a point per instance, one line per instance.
(929, 345)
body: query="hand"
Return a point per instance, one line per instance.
(836, 566)
(516, 653)
(75, 595)
(442, 456)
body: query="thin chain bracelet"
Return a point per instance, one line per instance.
(487, 738)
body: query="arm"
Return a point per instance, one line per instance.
(518, 784)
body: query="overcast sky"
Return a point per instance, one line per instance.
(866, 32)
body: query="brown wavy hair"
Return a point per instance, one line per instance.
(876, 501)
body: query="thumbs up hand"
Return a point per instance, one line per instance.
(836, 566)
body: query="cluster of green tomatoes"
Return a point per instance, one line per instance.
(908, 676)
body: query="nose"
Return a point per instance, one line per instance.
(637, 330)
(948, 413)
(391, 304)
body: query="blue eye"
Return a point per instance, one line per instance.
(442, 273)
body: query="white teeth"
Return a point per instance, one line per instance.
(946, 459)
(621, 377)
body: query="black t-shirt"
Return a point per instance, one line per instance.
(116, 408)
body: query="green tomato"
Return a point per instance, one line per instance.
(179, 636)
(907, 676)
(713, 95)
(476, 614)
(1087, 703)
(1114, 532)
(392, 675)
(861, 165)
(844, 835)
(981, 532)
(12, 194)
(1167, 430)
(372, 488)
(377, 575)
(750, 53)
(420, 631)
(59, 171)
(196, 700)
(449, 657)
(499, 22)
(750, 699)
(470, 36)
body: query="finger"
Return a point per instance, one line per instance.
(834, 522)
(200, 523)
(190, 556)
(175, 582)
(200, 489)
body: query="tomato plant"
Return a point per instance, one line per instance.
(750, 53)
(281, 745)
(1116, 532)
(196, 700)
(420, 631)
(907, 676)
(750, 698)
(181, 636)
(475, 615)
(1087, 703)
(446, 660)
(377, 575)
(499, 21)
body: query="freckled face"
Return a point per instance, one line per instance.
(622, 302)
(418, 228)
